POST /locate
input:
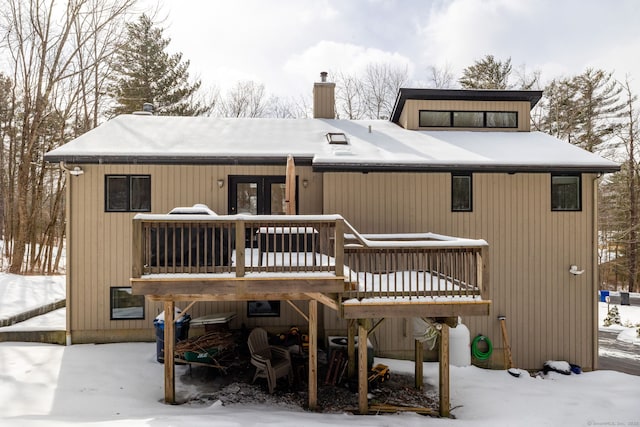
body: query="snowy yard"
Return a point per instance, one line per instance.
(122, 384)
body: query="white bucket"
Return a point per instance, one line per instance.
(459, 345)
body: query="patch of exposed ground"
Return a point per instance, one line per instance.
(207, 385)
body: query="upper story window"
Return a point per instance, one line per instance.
(461, 193)
(566, 193)
(468, 119)
(127, 193)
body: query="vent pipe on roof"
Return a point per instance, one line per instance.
(148, 107)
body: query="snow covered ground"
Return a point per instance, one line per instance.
(23, 293)
(122, 385)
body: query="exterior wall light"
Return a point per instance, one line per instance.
(220, 183)
(305, 183)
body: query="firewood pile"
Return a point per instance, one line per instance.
(221, 341)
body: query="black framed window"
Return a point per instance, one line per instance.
(566, 193)
(435, 119)
(468, 119)
(124, 305)
(461, 193)
(127, 193)
(501, 119)
(263, 308)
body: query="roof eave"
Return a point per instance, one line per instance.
(494, 168)
(304, 160)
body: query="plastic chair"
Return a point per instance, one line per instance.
(271, 362)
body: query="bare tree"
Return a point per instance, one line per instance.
(245, 99)
(440, 77)
(53, 50)
(380, 83)
(350, 99)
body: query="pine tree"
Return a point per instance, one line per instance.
(487, 73)
(145, 72)
(613, 317)
(597, 108)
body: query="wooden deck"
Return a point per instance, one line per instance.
(320, 259)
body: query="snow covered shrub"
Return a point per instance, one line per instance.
(613, 317)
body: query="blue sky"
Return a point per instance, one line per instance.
(286, 43)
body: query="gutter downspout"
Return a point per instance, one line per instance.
(595, 284)
(67, 232)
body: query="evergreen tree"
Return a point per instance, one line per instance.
(487, 73)
(584, 109)
(597, 108)
(144, 72)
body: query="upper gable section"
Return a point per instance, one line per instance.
(476, 110)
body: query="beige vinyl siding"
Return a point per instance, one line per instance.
(409, 118)
(99, 242)
(549, 311)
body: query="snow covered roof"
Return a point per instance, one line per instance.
(373, 145)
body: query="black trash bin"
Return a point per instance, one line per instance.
(624, 298)
(181, 333)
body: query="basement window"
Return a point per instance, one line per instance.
(263, 308)
(125, 305)
(337, 138)
(566, 193)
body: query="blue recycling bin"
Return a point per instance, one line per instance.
(181, 334)
(603, 296)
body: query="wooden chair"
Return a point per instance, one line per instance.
(271, 362)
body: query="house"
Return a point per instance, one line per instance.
(461, 163)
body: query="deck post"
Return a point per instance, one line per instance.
(444, 371)
(169, 344)
(363, 383)
(351, 347)
(313, 354)
(483, 273)
(136, 249)
(339, 248)
(240, 236)
(419, 368)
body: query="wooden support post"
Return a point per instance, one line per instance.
(419, 370)
(137, 261)
(444, 371)
(169, 344)
(240, 236)
(313, 354)
(363, 383)
(351, 347)
(339, 248)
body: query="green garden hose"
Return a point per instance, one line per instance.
(481, 355)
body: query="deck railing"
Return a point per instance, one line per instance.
(235, 244)
(415, 265)
(374, 266)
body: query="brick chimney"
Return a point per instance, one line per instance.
(324, 99)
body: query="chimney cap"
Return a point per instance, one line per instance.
(148, 107)
(323, 76)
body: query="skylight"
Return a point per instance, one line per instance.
(337, 138)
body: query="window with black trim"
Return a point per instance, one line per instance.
(124, 305)
(566, 194)
(461, 193)
(468, 119)
(127, 193)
